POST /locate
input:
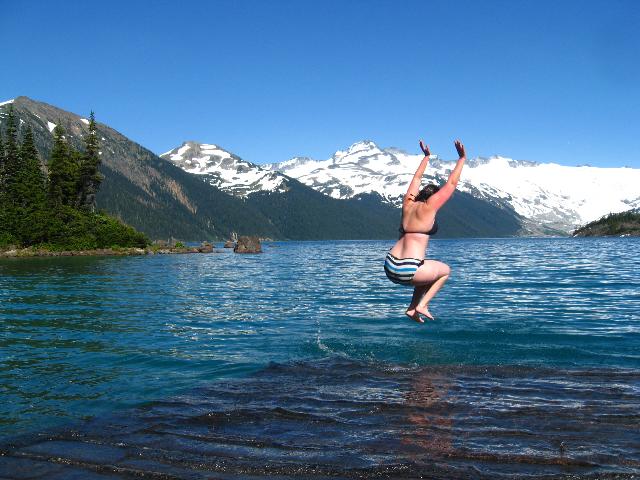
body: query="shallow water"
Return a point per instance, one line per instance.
(300, 362)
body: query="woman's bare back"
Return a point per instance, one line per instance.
(417, 219)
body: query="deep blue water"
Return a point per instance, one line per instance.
(300, 361)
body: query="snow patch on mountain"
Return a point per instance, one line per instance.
(6, 102)
(225, 170)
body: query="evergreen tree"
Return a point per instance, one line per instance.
(9, 171)
(1, 165)
(30, 185)
(11, 155)
(63, 170)
(30, 194)
(89, 178)
(3, 196)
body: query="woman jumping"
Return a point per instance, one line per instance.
(405, 263)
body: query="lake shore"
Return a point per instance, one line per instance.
(99, 252)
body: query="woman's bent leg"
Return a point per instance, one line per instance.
(423, 306)
(418, 293)
(432, 275)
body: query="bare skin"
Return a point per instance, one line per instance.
(419, 216)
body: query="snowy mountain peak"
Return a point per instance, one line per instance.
(358, 149)
(224, 169)
(288, 164)
(6, 102)
(199, 157)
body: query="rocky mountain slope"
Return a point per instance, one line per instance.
(225, 170)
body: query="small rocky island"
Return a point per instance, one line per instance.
(247, 244)
(624, 224)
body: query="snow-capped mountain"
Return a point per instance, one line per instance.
(547, 195)
(224, 170)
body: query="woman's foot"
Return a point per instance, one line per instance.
(413, 315)
(424, 311)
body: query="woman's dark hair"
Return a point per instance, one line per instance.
(426, 192)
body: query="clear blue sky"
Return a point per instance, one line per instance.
(536, 80)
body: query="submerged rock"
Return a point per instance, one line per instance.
(247, 244)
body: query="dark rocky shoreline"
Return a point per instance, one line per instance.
(244, 244)
(31, 252)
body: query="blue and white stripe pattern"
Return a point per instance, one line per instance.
(401, 270)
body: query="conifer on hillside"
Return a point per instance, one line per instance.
(30, 180)
(10, 166)
(63, 171)
(89, 177)
(1, 164)
(30, 194)
(11, 153)
(3, 196)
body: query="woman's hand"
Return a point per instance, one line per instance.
(460, 149)
(425, 149)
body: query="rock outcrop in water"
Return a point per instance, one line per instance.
(247, 244)
(206, 247)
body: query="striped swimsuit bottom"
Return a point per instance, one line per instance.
(401, 270)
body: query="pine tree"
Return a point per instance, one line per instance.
(63, 170)
(11, 153)
(90, 178)
(8, 214)
(30, 185)
(30, 194)
(3, 199)
(1, 165)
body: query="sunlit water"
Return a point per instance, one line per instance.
(300, 362)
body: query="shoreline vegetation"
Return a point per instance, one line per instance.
(243, 244)
(112, 251)
(624, 224)
(52, 206)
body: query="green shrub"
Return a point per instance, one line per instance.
(72, 229)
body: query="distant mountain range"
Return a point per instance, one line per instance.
(549, 197)
(201, 191)
(542, 198)
(290, 200)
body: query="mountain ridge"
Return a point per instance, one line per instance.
(278, 192)
(549, 196)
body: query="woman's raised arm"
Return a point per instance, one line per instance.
(439, 198)
(414, 186)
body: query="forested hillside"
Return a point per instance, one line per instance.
(54, 210)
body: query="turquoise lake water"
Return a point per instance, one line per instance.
(534, 356)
